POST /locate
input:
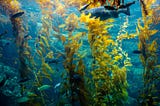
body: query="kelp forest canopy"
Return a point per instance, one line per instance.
(53, 54)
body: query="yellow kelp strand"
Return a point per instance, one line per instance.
(49, 55)
(46, 67)
(45, 40)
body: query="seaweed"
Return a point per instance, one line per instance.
(108, 76)
(149, 59)
(74, 66)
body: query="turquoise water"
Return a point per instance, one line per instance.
(51, 56)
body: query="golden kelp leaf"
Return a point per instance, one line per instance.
(39, 52)
(153, 46)
(46, 66)
(102, 63)
(78, 35)
(26, 52)
(62, 26)
(71, 22)
(110, 20)
(137, 30)
(47, 75)
(108, 42)
(139, 25)
(41, 44)
(85, 18)
(119, 57)
(157, 66)
(152, 32)
(133, 35)
(45, 40)
(63, 39)
(83, 55)
(50, 55)
(127, 63)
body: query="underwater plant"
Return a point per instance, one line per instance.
(108, 75)
(74, 67)
(149, 94)
(13, 8)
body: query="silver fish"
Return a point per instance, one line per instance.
(104, 13)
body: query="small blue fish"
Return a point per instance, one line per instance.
(23, 80)
(7, 44)
(51, 61)
(16, 15)
(57, 85)
(26, 36)
(137, 51)
(143, 52)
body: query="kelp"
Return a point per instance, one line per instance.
(71, 22)
(74, 67)
(149, 93)
(42, 70)
(60, 8)
(155, 16)
(108, 76)
(123, 34)
(12, 7)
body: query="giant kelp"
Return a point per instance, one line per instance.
(74, 66)
(149, 94)
(12, 7)
(104, 72)
(109, 76)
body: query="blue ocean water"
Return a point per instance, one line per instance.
(47, 60)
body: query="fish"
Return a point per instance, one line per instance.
(84, 7)
(57, 85)
(23, 99)
(127, 5)
(23, 80)
(16, 15)
(137, 51)
(51, 61)
(30, 94)
(26, 36)
(142, 52)
(8, 43)
(110, 8)
(103, 13)
(44, 87)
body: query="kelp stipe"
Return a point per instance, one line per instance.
(12, 7)
(109, 77)
(41, 70)
(74, 87)
(149, 94)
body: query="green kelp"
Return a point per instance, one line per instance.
(149, 94)
(74, 66)
(108, 75)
